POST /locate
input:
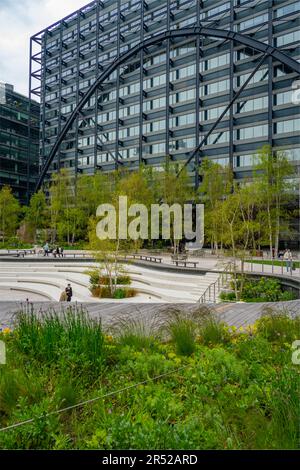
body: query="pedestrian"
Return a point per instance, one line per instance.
(46, 249)
(287, 256)
(290, 261)
(61, 252)
(69, 292)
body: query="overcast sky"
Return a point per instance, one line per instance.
(20, 19)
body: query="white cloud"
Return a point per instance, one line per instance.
(18, 22)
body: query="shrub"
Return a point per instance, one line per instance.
(212, 331)
(278, 326)
(227, 296)
(120, 294)
(104, 292)
(264, 290)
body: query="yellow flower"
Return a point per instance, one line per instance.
(6, 331)
(109, 338)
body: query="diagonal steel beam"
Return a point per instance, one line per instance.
(215, 124)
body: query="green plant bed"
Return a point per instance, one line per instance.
(15, 246)
(203, 386)
(104, 292)
(296, 264)
(262, 290)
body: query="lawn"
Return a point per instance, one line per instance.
(296, 264)
(193, 384)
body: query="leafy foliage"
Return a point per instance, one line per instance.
(234, 389)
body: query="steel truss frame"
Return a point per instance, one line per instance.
(268, 51)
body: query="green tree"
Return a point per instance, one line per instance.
(174, 186)
(9, 213)
(37, 213)
(272, 171)
(67, 219)
(215, 187)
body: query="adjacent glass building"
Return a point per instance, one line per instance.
(163, 101)
(19, 155)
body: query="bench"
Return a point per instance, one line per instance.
(153, 259)
(185, 263)
(18, 253)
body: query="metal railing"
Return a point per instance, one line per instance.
(213, 290)
(272, 266)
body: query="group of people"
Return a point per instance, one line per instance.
(288, 257)
(56, 252)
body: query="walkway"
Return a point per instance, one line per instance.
(239, 314)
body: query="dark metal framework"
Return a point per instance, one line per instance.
(141, 49)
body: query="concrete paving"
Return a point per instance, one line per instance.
(48, 280)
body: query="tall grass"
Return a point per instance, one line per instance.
(181, 329)
(137, 332)
(277, 326)
(70, 337)
(200, 323)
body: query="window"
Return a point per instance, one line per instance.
(243, 160)
(183, 72)
(283, 98)
(133, 131)
(252, 105)
(288, 38)
(259, 76)
(293, 154)
(214, 113)
(182, 144)
(288, 9)
(186, 119)
(215, 11)
(252, 22)
(252, 132)
(292, 125)
(216, 87)
(159, 148)
(220, 137)
(214, 62)
(183, 96)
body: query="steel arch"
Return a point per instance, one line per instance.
(156, 39)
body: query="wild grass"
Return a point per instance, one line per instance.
(135, 331)
(225, 389)
(71, 338)
(277, 326)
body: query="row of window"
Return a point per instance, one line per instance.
(217, 137)
(249, 105)
(238, 161)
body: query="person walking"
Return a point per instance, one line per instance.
(290, 261)
(46, 249)
(69, 292)
(287, 256)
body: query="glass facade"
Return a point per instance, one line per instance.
(18, 162)
(166, 98)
